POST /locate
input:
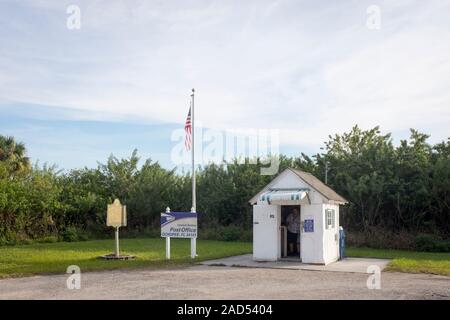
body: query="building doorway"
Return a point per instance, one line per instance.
(290, 231)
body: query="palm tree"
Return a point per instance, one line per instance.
(13, 152)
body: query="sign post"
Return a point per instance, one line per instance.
(167, 240)
(168, 248)
(116, 217)
(179, 225)
(117, 242)
(193, 248)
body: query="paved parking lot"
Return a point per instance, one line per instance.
(208, 282)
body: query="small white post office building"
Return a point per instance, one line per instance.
(318, 208)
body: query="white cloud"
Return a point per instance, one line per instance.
(307, 69)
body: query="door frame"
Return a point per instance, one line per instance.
(300, 230)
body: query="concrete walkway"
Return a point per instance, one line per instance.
(354, 265)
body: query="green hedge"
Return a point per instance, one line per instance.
(431, 243)
(394, 193)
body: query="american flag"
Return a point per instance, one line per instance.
(188, 130)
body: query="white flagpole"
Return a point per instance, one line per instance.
(194, 200)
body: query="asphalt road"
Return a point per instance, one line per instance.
(207, 282)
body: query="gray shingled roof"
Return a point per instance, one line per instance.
(318, 185)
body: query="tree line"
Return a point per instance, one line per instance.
(397, 194)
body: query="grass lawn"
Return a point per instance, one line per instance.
(407, 261)
(46, 258)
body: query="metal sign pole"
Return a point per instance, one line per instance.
(193, 247)
(168, 248)
(117, 242)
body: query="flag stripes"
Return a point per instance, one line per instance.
(188, 131)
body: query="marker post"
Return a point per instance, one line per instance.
(168, 248)
(168, 240)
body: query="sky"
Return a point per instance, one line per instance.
(303, 69)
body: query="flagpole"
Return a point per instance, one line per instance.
(194, 198)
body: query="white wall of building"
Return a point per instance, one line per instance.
(311, 243)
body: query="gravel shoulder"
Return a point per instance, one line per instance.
(207, 282)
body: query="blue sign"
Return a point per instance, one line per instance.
(179, 224)
(309, 225)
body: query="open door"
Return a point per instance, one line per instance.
(266, 232)
(290, 231)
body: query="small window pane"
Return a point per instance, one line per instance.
(333, 218)
(330, 218)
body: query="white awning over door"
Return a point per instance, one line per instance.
(285, 196)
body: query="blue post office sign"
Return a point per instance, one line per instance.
(179, 224)
(309, 225)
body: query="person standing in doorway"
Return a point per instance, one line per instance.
(293, 226)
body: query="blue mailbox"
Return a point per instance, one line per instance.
(341, 243)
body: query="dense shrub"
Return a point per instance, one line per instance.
(432, 243)
(225, 233)
(29, 205)
(72, 234)
(47, 239)
(394, 193)
(230, 233)
(379, 238)
(403, 240)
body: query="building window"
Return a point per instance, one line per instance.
(330, 218)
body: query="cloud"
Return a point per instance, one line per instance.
(304, 68)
